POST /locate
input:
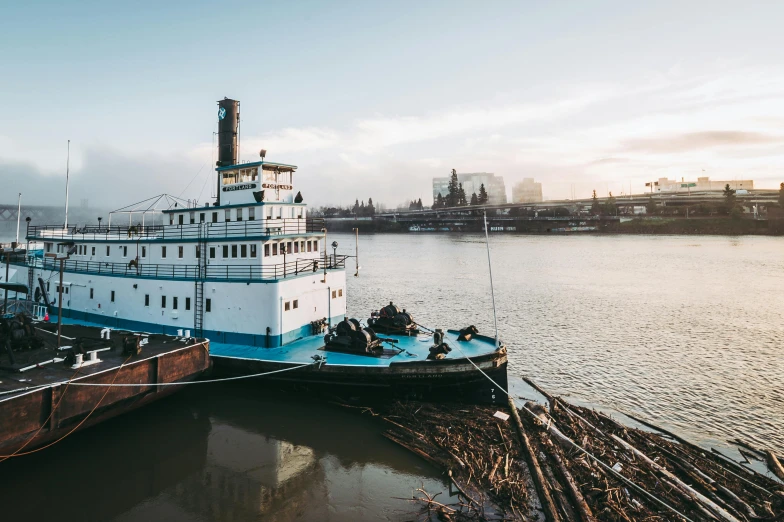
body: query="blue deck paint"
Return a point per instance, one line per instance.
(301, 351)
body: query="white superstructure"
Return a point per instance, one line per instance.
(253, 269)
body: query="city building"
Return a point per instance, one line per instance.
(494, 185)
(527, 191)
(703, 184)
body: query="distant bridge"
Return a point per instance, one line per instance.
(757, 197)
(9, 212)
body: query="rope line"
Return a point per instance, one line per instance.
(209, 381)
(17, 454)
(179, 383)
(3, 458)
(580, 448)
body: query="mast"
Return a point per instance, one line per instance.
(18, 217)
(67, 175)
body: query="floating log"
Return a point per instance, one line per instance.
(774, 464)
(687, 490)
(548, 505)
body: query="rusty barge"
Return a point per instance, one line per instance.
(47, 393)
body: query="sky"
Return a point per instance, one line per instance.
(374, 99)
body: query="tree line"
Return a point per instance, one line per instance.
(359, 209)
(456, 195)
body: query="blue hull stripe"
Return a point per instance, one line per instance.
(260, 341)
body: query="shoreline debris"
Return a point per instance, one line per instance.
(573, 464)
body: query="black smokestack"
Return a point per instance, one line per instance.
(228, 126)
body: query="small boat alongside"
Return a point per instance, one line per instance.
(49, 392)
(402, 361)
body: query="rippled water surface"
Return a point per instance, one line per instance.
(686, 331)
(683, 331)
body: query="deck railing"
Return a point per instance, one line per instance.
(219, 230)
(194, 272)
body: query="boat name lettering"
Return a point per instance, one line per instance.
(239, 187)
(273, 185)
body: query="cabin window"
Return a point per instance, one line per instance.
(234, 251)
(266, 250)
(239, 214)
(48, 247)
(340, 292)
(144, 251)
(253, 252)
(295, 304)
(187, 303)
(228, 214)
(288, 247)
(201, 217)
(171, 219)
(174, 303)
(163, 301)
(92, 251)
(180, 218)
(315, 245)
(251, 213)
(334, 294)
(230, 177)
(193, 217)
(214, 217)
(198, 251)
(180, 252)
(287, 306)
(112, 296)
(124, 251)
(208, 305)
(68, 287)
(107, 251)
(301, 246)
(146, 299)
(296, 247)
(274, 249)
(163, 252)
(212, 252)
(47, 286)
(308, 246)
(91, 293)
(225, 251)
(243, 251)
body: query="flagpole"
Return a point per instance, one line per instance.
(67, 176)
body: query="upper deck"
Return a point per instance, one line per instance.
(265, 228)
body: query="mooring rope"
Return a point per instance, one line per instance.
(179, 383)
(577, 446)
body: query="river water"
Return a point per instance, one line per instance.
(684, 331)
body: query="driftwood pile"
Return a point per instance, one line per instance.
(531, 467)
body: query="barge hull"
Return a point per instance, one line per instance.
(38, 417)
(449, 379)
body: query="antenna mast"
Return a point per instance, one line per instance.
(67, 176)
(492, 292)
(18, 217)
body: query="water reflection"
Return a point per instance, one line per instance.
(220, 454)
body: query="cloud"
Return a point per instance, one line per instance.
(699, 140)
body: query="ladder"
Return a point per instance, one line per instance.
(198, 301)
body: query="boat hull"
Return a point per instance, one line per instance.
(448, 379)
(45, 415)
